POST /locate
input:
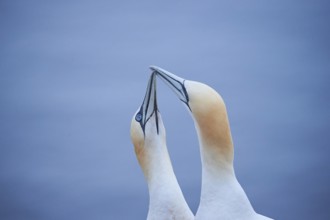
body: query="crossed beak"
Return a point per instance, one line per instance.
(176, 83)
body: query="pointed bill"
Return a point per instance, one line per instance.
(149, 104)
(176, 83)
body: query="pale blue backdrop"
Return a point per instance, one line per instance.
(72, 74)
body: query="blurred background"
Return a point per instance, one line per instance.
(73, 73)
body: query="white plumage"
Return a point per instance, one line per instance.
(222, 197)
(166, 201)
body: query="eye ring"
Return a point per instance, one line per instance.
(138, 117)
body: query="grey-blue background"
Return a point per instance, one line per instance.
(72, 74)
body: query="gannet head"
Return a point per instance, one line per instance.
(207, 109)
(147, 129)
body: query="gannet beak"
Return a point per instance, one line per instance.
(149, 104)
(174, 82)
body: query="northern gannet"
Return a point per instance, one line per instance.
(166, 200)
(222, 197)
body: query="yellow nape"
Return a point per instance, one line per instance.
(211, 120)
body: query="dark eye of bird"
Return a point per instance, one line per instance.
(138, 117)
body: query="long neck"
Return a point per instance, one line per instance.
(221, 194)
(217, 153)
(212, 126)
(166, 198)
(159, 171)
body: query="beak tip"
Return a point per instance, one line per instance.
(154, 68)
